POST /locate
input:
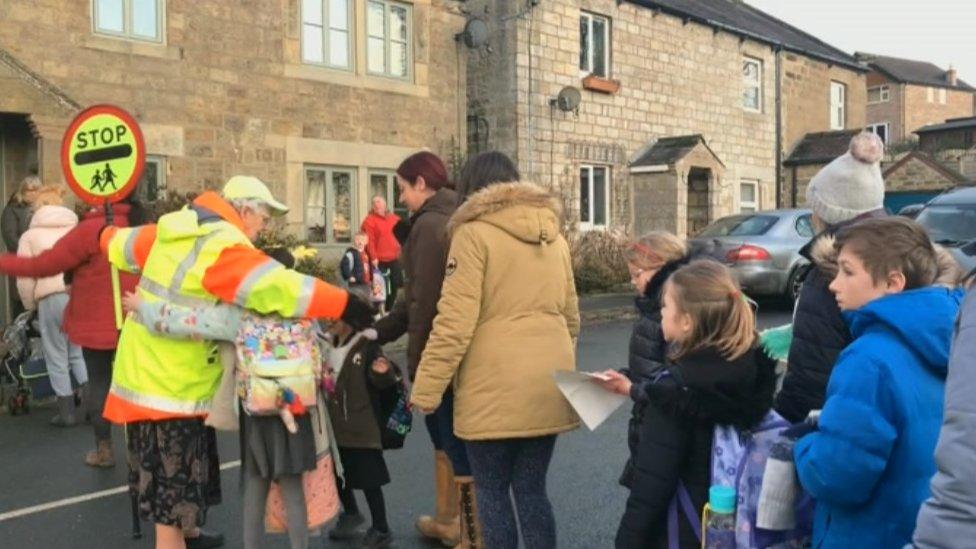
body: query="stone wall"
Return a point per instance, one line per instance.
(675, 79)
(916, 175)
(920, 112)
(227, 92)
(806, 97)
(800, 176)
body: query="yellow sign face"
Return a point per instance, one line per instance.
(103, 154)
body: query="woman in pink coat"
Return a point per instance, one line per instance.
(49, 296)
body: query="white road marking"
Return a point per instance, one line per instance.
(40, 508)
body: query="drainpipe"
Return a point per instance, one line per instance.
(779, 125)
(793, 193)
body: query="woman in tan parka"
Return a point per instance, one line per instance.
(507, 319)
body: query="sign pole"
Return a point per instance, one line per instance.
(116, 284)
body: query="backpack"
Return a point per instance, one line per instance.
(739, 460)
(378, 288)
(276, 354)
(392, 411)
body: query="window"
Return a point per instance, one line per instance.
(881, 130)
(383, 183)
(594, 197)
(135, 19)
(388, 36)
(804, 226)
(879, 94)
(930, 95)
(325, 33)
(330, 202)
(748, 196)
(594, 45)
(943, 95)
(838, 108)
(752, 84)
(152, 184)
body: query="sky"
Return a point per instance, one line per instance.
(942, 32)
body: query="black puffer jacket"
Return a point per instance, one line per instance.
(703, 390)
(648, 351)
(819, 335)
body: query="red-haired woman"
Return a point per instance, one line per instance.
(425, 190)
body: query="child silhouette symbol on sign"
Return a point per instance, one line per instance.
(96, 181)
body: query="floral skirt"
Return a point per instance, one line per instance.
(174, 470)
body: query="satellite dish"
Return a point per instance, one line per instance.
(475, 33)
(568, 99)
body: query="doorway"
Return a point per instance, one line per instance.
(18, 159)
(699, 200)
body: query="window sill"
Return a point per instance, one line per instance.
(344, 78)
(601, 85)
(133, 47)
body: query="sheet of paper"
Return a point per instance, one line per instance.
(592, 403)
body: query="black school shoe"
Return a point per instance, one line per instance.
(206, 540)
(347, 527)
(377, 540)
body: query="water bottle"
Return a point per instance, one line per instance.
(720, 521)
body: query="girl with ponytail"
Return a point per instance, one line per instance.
(716, 374)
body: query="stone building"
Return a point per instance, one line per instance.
(686, 108)
(320, 98)
(904, 95)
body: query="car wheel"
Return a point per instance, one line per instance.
(795, 282)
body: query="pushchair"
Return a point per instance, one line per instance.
(22, 362)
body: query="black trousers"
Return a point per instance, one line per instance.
(99, 364)
(394, 281)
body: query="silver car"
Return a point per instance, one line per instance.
(762, 249)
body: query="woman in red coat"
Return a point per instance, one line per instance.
(89, 319)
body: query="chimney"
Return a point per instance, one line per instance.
(951, 76)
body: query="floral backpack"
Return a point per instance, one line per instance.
(276, 354)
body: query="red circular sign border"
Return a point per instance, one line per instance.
(128, 187)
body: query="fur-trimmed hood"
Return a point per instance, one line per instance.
(526, 211)
(823, 254)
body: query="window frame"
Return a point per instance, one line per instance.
(930, 94)
(754, 203)
(127, 23)
(160, 162)
(329, 220)
(326, 26)
(943, 96)
(590, 16)
(392, 193)
(887, 130)
(590, 225)
(387, 40)
(758, 84)
(841, 108)
(884, 94)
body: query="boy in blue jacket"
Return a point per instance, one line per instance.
(869, 463)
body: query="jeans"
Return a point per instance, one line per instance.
(518, 466)
(440, 425)
(62, 357)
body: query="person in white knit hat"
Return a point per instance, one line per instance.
(845, 191)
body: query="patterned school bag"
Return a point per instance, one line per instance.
(276, 354)
(739, 460)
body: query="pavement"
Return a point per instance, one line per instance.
(48, 498)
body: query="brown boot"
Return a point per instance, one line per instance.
(102, 455)
(470, 525)
(445, 526)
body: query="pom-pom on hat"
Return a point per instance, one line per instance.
(851, 185)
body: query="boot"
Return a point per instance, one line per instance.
(66, 412)
(102, 456)
(81, 401)
(445, 526)
(470, 525)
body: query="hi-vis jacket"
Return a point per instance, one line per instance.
(195, 257)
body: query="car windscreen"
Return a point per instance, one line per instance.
(740, 225)
(949, 224)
